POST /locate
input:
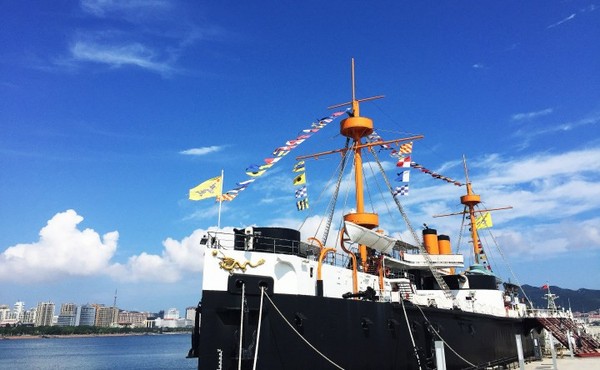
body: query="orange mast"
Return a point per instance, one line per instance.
(470, 200)
(356, 127)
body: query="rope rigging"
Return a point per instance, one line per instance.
(510, 268)
(498, 249)
(327, 221)
(260, 310)
(442, 339)
(242, 308)
(297, 333)
(438, 278)
(412, 338)
(332, 203)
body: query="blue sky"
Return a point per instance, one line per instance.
(102, 102)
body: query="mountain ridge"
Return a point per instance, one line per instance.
(580, 300)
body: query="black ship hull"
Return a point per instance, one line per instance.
(354, 334)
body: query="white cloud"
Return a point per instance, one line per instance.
(505, 170)
(561, 21)
(118, 55)
(530, 115)
(550, 240)
(62, 250)
(146, 267)
(176, 259)
(592, 119)
(209, 213)
(101, 8)
(554, 197)
(148, 34)
(202, 151)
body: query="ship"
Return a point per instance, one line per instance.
(273, 300)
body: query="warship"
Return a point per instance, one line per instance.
(272, 299)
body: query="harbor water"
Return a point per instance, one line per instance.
(101, 352)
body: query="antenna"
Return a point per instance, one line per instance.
(355, 102)
(466, 170)
(115, 301)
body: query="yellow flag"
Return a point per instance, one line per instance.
(484, 221)
(208, 189)
(300, 179)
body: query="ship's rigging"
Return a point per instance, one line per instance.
(383, 306)
(355, 128)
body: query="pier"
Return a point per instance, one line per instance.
(566, 363)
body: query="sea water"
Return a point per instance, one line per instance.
(110, 352)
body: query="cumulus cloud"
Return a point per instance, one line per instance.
(552, 195)
(62, 250)
(202, 151)
(544, 241)
(544, 189)
(177, 258)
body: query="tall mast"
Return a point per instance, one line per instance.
(551, 298)
(470, 200)
(356, 127)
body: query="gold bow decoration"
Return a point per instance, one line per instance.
(230, 264)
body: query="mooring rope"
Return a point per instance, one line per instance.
(241, 326)
(412, 338)
(260, 310)
(442, 339)
(510, 268)
(299, 335)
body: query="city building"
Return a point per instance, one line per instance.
(171, 314)
(132, 319)
(68, 315)
(68, 308)
(190, 313)
(29, 316)
(44, 314)
(4, 314)
(66, 319)
(72, 314)
(86, 315)
(19, 311)
(169, 323)
(106, 316)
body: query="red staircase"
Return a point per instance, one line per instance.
(585, 344)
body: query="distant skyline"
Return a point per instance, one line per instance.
(32, 305)
(29, 305)
(110, 111)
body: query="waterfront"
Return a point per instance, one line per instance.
(102, 352)
(566, 363)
